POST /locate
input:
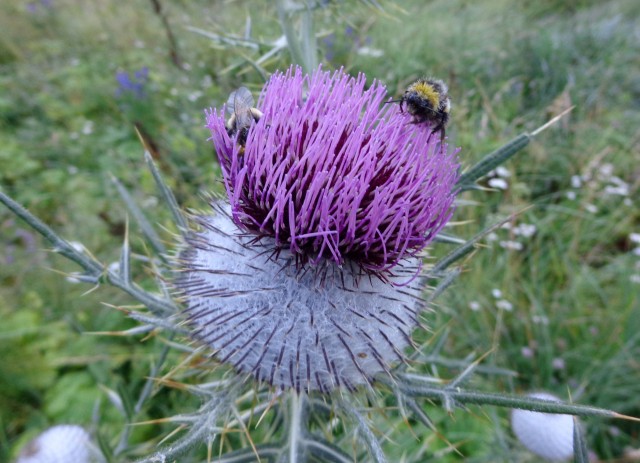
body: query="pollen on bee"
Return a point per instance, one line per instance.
(426, 91)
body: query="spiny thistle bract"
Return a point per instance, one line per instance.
(308, 280)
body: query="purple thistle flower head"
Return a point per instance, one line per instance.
(331, 179)
(331, 173)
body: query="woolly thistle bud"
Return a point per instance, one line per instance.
(548, 435)
(61, 444)
(306, 280)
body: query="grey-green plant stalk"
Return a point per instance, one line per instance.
(300, 39)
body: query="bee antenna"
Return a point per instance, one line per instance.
(393, 101)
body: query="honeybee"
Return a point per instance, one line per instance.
(240, 107)
(427, 100)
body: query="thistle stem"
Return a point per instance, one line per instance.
(144, 395)
(303, 49)
(297, 426)
(93, 267)
(452, 395)
(61, 246)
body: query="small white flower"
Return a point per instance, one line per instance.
(498, 183)
(527, 352)
(72, 279)
(558, 364)
(150, 201)
(576, 181)
(114, 267)
(591, 208)
(503, 304)
(496, 293)
(206, 81)
(571, 195)
(195, 95)
(540, 320)
(526, 230)
(87, 128)
(618, 181)
(606, 171)
(635, 278)
(548, 435)
(368, 51)
(634, 237)
(512, 245)
(492, 237)
(475, 306)
(78, 246)
(503, 172)
(617, 190)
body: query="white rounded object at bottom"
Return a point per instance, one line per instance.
(548, 435)
(59, 444)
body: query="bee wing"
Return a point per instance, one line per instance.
(240, 99)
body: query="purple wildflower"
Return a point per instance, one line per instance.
(27, 238)
(329, 43)
(332, 180)
(337, 175)
(35, 8)
(142, 74)
(135, 86)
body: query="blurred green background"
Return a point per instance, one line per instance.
(554, 295)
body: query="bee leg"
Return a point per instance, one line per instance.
(429, 137)
(439, 127)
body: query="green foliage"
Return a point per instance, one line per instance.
(568, 314)
(26, 349)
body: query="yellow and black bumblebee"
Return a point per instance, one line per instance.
(240, 106)
(427, 100)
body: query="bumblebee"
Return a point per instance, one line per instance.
(240, 107)
(427, 101)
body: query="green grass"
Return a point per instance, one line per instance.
(509, 67)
